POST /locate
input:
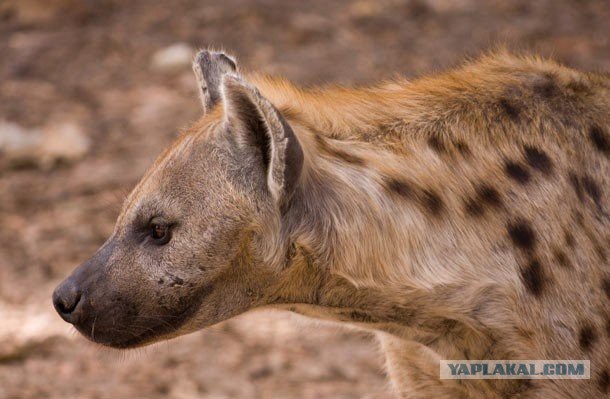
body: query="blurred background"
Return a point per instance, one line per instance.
(91, 91)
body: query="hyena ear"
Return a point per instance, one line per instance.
(209, 68)
(260, 128)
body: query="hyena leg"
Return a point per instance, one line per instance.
(414, 370)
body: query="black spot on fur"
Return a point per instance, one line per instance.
(489, 195)
(347, 157)
(538, 159)
(291, 252)
(516, 388)
(586, 337)
(592, 189)
(575, 182)
(600, 251)
(569, 239)
(561, 258)
(485, 196)
(436, 144)
(447, 325)
(509, 108)
(606, 286)
(361, 317)
(401, 315)
(600, 139)
(337, 153)
(462, 148)
(603, 381)
(517, 171)
(322, 145)
(586, 184)
(533, 277)
(474, 208)
(545, 86)
(398, 186)
(432, 201)
(522, 234)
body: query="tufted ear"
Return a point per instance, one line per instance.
(261, 129)
(209, 68)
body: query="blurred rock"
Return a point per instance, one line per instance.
(184, 388)
(18, 145)
(44, 148)
(28, 330)
(15, 139)
(64, 142)
(174, 57)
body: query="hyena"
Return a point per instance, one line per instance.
(457, 216)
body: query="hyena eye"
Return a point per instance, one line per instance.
(160, 233)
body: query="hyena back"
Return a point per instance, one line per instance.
(459, 216)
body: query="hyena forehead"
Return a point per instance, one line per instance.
(185, 173)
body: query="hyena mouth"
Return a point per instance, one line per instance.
(125, 327)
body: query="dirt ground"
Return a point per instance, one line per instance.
(88, 98)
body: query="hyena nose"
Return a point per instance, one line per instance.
(66, 299)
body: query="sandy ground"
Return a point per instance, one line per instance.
(88, 98)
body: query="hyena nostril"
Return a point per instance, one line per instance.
(66, 299)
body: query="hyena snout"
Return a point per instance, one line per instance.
(110, 301)
(95, 305)
(67, 300)
(83, 296)
(72, 298)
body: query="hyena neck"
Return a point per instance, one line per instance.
(352, 245)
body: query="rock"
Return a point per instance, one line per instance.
(64, 142)
(41, 147)
(174, 57)
(27, 329)
(15, 139)
(18, 145)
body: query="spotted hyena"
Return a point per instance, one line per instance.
(458, 216)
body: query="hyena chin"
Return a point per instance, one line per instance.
(458, 216)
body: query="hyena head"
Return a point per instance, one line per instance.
(196, 240)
